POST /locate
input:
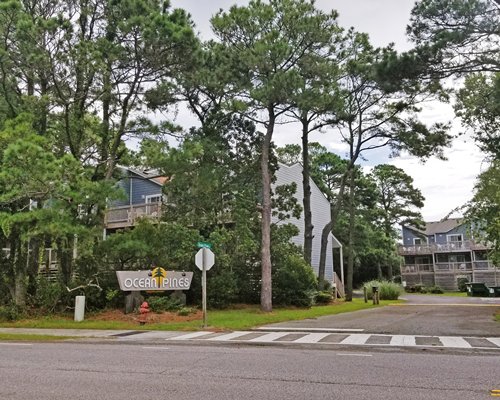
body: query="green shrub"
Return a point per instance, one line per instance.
(418, 288)
(294, 282)
(435, 289)
(185, 311)
(462, 284)
(387, 290)
(10, 312)
(49, 295)
(323, 297)
(160, 304)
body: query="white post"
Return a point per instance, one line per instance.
(204, 288)
(342, 266)
(79, 308)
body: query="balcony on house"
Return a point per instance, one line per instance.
(126, 216)
(454, 246)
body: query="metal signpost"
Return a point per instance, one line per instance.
(204, 260)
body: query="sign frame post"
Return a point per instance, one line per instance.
(204, 260)
(204, 290)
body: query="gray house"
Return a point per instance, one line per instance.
(320, 207)
(143, 199)
(443, 252)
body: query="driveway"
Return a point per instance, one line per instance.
(420, 315)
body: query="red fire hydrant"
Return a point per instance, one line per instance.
(143, 310)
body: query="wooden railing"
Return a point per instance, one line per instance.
(448, 267)
(430, 248)
(128, 215)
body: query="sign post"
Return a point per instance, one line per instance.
(204, 260)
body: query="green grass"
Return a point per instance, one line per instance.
(233, 319)
(450, 294)
(28, 337)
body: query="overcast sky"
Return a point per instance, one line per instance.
(445, 184)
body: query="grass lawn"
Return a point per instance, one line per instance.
(451, 294)
(22, 337)
(244, 317)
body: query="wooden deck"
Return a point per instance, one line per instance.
(126, 216)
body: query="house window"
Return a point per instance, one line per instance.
(154, 198)
(455, 238)
(418, 241)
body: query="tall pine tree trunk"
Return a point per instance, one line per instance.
(266, 297)
(350, 256)
(308, 225)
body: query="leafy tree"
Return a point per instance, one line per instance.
(479, 107)
(484, 209)
(43, 197)
(456, 37)
(267, 43)
(398, 200)
(377, 114)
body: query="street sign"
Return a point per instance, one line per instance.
(158, 279)
(204, 245)
(204, 258)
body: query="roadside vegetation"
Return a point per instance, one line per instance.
(243, 317)
(81, 80)
(27, 337)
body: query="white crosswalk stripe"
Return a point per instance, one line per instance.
(269, 337)
(403, 340)
(311, 338)
(451, 341)
(355, 339)
(229, 336)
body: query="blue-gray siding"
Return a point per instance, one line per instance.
(320, 208)
(140, 187)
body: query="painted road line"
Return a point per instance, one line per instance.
(269, 337)
(276, 329)
(229, 336)
(311, 338)
(155, 348)
(356, 339)
(403, 340)
(495, 341)
(16, 344)
(355, 355)
(451, 341)
(192, 335)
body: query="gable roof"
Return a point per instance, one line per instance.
(442, 226)
(152, 175)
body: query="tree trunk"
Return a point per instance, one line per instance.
(350, 257)
(327, 229)
(308, 225)
(20, 284)
(266, 296)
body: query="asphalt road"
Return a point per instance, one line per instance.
(420, 315)
(45, 371)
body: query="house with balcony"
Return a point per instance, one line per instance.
(443, 252)
(143, 198)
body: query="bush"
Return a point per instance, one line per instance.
(294, 282)
(435, 289)
(416, 289)
(10, 312)
(159, 304)
(323, 297)
(50, 295)
(462, 284)
(185, 311)
(387, 290)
